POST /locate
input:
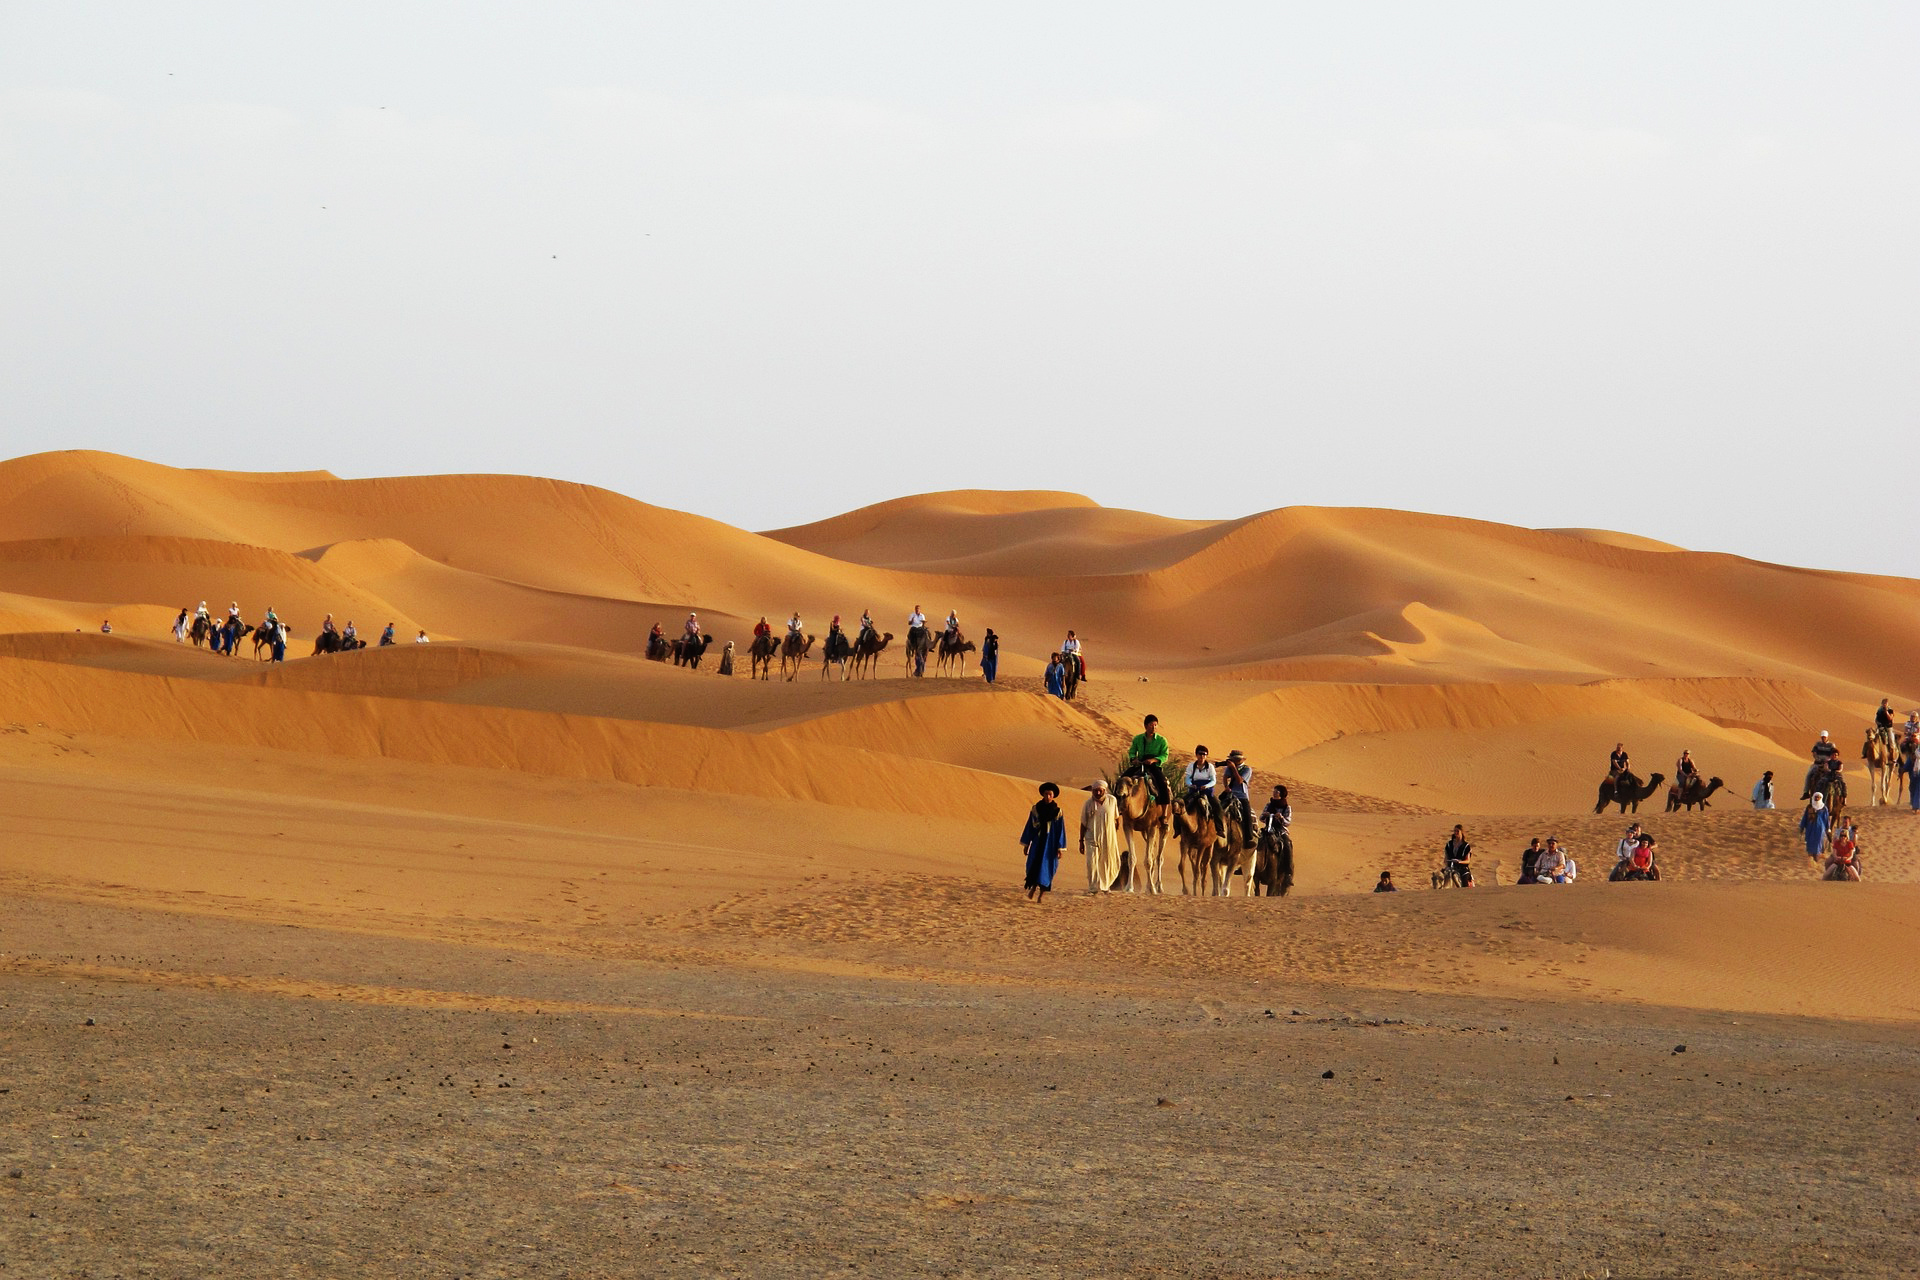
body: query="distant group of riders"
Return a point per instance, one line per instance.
(857, 654)
(270, 634)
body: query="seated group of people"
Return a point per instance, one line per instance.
(1636, 857)
(1547, 864)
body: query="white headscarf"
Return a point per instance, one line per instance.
(1819, 802)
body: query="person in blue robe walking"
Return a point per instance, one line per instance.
(990, 656)
(1043, 838)
(1813, 825)
(1056, 677)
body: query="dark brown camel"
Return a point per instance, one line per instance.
(1695, 792)
(793, 652)
(953, 653)
(760, 657)
(1627, 792)
(866, 653)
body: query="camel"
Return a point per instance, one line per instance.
(263, 638)
(1199, 843)
(230, 635)
(1143, 815)
(1238, 858)
(760, 657)
(919, 645)
(1274, 872)
(688, 651)
(1695, 793)
(953, 651)
(866, 652)
(1832, 789)
(793, 651)
(1883, 761)
(837, 649)
(201, 631)
(1627, 791)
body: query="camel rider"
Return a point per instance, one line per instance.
(793, 625)
(1911, 729)
(1883, 725)
(1147, 756)
(1685, 772)
(1237, 776)
(916, 620)
(835, 640)
(1823, 751)
(953, 625)
(1617, 762)
(233, 613)
(326, 626)
(348, 636)
(201, 614)
(273, 619)
(762, 627)
(1277, 817)
(1070, 653)
(692, 627)
(1201, 780)
(866, 626)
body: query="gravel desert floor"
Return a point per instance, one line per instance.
(214, 1097)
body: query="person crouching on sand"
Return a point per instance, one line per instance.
(1044, 836)
(1386, 884)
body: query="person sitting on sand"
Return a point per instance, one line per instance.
(1147, 757)
(1617, 761)
(1553, 866)
(1763, 791)
(421, 638)
(1385, 883)
(1623, 851)
(1529, 860)
(1459, 857)
(386, 637)
(1044, 836)
(1641, 863)
(106, 626)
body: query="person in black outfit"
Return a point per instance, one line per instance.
(1617, 762)
(1459, 855)
(1529, 856)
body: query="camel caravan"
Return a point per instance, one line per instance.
(270, 635)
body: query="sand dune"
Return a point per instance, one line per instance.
(528, 780)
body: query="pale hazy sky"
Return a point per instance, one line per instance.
(1649, 266)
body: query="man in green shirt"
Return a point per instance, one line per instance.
(1148, 755)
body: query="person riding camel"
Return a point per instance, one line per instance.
(1883, 723)
(866, 626)
(1685, 772)
(1201, 781)
(1617, 762)
(233, 612)
(1823, 751)
(1147, 757)
(201, 614)
(327, 627)
(273, 619)
(794, 625)
(348, 636)
(692, 628)
(835, 640)
(953, 625)
(1277, 817)
(1911, 729)
(1237, 775)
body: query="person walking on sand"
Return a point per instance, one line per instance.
(1056, 676)
(1813, 825)
(1763, 791)
(1100, 837)
(1044, 836)
(726, 659)
(990, 655)
(180, 626)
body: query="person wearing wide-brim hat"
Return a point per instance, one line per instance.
(1043, 838)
